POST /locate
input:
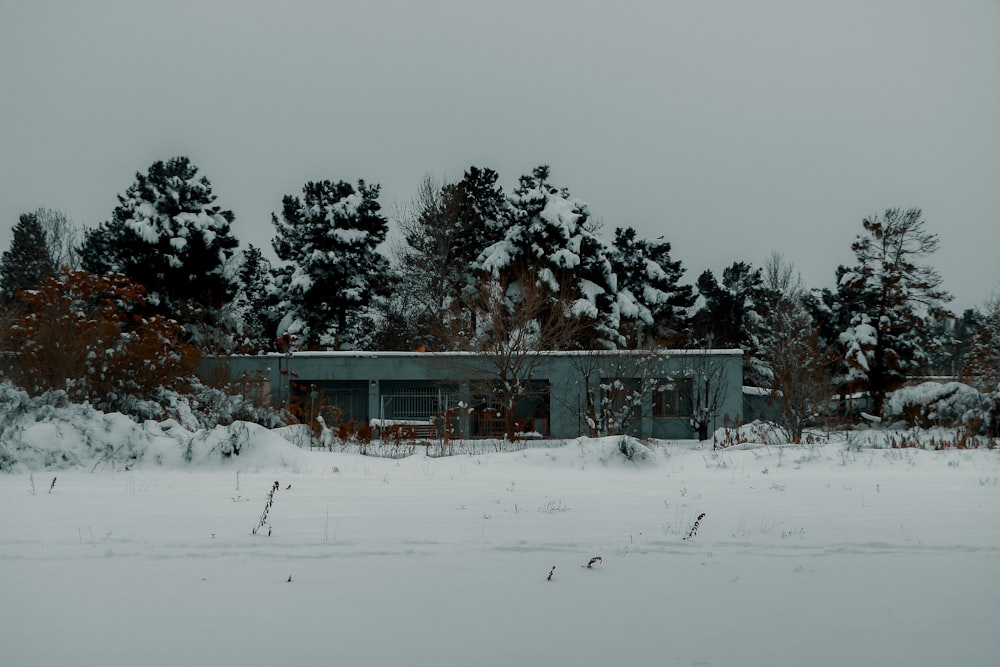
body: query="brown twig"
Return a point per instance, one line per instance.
(267, 507)
(694, 528)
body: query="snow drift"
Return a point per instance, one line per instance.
(48, 432)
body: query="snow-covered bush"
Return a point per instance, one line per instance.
(202, 406)
(633, 450)
(932, 404)
(615, 450)
(49, 432)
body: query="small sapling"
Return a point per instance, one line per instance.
(267, 508)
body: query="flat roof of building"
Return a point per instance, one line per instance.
(369, 354)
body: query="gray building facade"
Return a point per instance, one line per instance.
(663, 394)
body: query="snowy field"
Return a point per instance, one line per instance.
(823, 555)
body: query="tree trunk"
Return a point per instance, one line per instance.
(703, 431)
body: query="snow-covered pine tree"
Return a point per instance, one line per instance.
(254, 304)
(891, 300)
(646, 271)
(329, 239)
(729, 316)
(982, 362)
(27, 262)
(168, 235)
(548, 238)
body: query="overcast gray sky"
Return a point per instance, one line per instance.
(731, 128)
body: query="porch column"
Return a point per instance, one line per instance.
(646, 415)
(374, 400)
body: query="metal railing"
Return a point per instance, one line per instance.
(421, 404)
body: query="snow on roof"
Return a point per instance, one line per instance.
(375, 354)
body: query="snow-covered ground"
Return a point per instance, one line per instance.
(824, 555)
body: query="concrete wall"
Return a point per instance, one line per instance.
(384, 372)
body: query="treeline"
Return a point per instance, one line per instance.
(126, 307)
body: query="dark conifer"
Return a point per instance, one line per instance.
(890, 301)
(168, 235)
(27, 262)
(329, 239)
(645, 270)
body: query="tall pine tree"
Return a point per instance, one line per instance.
(255, 302)
(168, 235)
(548, 238)
(28, 261)
(891, 300)
(730, 314)
(329, 239)
(646, 271)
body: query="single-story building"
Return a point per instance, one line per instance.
(662, 394)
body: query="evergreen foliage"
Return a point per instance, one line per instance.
(981, 363)
(730, 315)
(27, 262)
(328, 239)
(255, 303)
(168, 235)
(548, 238)
(504, 274)
(645, 271)
(891, 301)
(478, 212)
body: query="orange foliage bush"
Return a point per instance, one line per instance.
(94, 337)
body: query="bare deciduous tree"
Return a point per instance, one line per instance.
(516, 327)
(796, 362)
(614, 386)
(708, 387)
(422, 259)
(62, 237)
(445, 228)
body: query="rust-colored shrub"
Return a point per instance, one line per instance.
(94, 337)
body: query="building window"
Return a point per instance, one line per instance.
(672, 398)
